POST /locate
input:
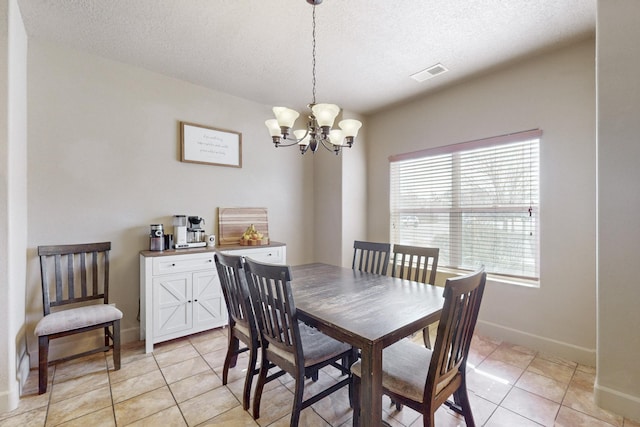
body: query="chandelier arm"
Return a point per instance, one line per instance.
(330, 147)
(294, 141)
(280, 144)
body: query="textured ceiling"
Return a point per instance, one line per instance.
(261, 49)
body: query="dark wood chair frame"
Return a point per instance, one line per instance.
(279, 327)
(88, 256)
(371, 257)
(237, 298)
(463, 296)
(418, 264)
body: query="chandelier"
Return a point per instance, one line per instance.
(319, 130)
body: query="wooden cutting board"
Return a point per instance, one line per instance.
(232, 223)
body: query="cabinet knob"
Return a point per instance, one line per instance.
(189, 301)
(173, 265)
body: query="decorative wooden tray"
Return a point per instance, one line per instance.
(232, 223)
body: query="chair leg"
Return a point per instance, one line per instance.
(262, 379)
(246, 394)
(231, 357)
(116, 344)
(463, 399)
(356, 401)
(426, 338)
(43, 364)
(297, 400)
(429, 419)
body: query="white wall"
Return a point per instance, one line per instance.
(556, 93)
(104, 165)
(340, 184)
(14, 363)
(618, 373)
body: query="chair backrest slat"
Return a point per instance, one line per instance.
(371, 257)
(71, 276)
(463, 296)
(71, 265)
(415, 263)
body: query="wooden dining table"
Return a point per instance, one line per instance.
(368, 311)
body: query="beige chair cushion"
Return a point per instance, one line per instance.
(76, 318)
(316, 346)
(405, 365)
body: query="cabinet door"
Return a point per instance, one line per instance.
(209, 310)
(172, 312)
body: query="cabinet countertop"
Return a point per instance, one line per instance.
(168, 252)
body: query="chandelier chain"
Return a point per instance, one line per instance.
(320, 121)
(313, 55)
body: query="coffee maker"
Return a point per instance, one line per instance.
(195, 233)
(191, 236)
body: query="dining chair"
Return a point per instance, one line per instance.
(291, 345)
(371, 257)
(418, 264)
(74, 278)
(424, 379)
(242, 323)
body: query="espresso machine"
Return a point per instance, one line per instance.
(195, 233)
(190, 235)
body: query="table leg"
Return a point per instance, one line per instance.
(371, 386)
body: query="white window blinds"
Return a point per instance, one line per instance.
(476, 201)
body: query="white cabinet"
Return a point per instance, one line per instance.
(180, 294)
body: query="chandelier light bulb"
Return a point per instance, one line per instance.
(325, 114)
(272, 125)
(350, 127)
(286, 117)
(336, 136)
(303, 136)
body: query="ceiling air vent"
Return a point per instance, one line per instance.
(430, 72)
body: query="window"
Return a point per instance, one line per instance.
(476, 201)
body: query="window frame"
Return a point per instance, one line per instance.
(454, 151)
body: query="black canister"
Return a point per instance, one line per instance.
(168, 241)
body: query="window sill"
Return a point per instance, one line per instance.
(494, 278)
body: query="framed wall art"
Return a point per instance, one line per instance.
(210, 146)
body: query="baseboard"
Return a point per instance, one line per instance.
(24, 367)
(130, 335)
(550, 346)
(617, 402)
(9, 399)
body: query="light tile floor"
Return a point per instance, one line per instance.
(179, 384)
